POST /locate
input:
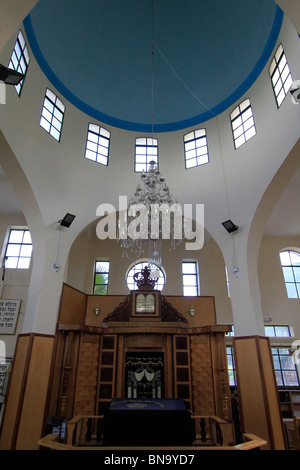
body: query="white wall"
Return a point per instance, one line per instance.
(16, 281)
(61, 180)
(275, 303)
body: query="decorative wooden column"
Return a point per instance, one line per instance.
(27, 394)
(67, 367)
(257, 390)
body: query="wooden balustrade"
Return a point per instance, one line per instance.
(212, 430)
(293, 430)
(211, 433)
(85, 431)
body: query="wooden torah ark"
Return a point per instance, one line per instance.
(143, 343)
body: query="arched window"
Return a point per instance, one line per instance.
(290, 262)
(137, 268)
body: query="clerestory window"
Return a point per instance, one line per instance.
(242, 123)
(19, 60)
(195, 148)
(146, 151)
(280, 75)
(18, 249)
(52, 115)
(97, 144)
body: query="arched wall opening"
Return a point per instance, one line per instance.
(88, 248)
(264, 245)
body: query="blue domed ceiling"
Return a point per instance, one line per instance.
(206, 55)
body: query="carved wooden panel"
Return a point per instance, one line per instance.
(202, 376)
(182, 373)
(87, 376)
(107, 372)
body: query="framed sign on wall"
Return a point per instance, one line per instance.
(9, 312)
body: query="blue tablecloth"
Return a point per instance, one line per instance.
(147, 422)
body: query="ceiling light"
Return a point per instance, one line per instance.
(152, 193)
(10, 76)
(65, 222)
(230, 226)
(295, 92)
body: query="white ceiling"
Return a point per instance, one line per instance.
(284, 220)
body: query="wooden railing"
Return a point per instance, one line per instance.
(293, 430)
(211, 433)
(212, 430)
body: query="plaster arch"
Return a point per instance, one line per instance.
(41, 303)
(268, 202)
(87, 248)
(243, 248)
(262, 214)
(290, 248)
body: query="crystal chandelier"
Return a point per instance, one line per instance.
(158, 219)
(151, 195)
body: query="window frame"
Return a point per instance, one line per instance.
(21, 58)
(99, 135)
(292, 266)
(281, 370)
(276, 329)
(21, 245)
(143, 262)
(96, 284)
(196, 137)
(149, 156)
(275, 66)
(194, 274)
(231, 377)
(239, 114)
(58, 108)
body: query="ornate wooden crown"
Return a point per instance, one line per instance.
(143, 279)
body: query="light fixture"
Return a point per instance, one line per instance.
(295, 92)
(236, 272)
(192, 311)
(230, 226)
(3, 267)
(97, 310)
(67, 220)
(10, 76)
(151, 194)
